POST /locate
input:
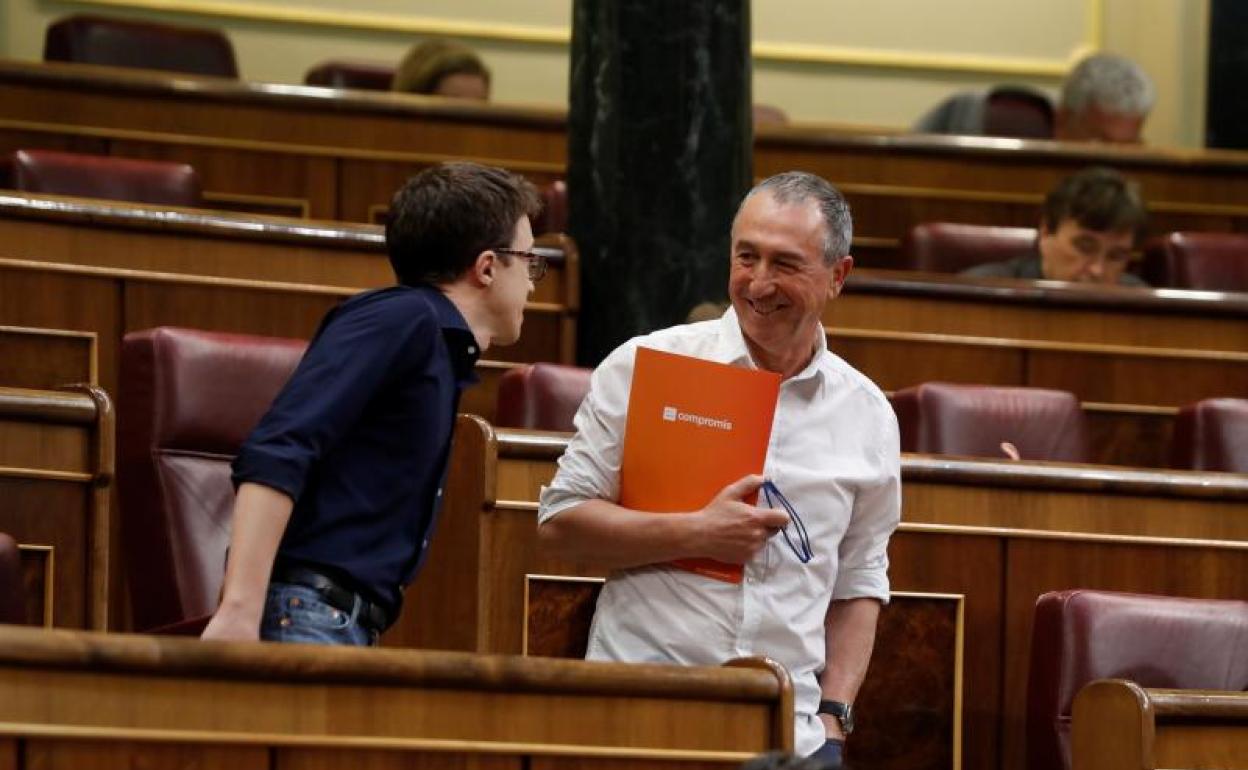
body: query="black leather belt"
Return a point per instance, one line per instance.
(372, 616)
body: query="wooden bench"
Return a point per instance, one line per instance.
(75, 699)
(89, 232)
(980, 539)
(1118, 725)
(56, 474)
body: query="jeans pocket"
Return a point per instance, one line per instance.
(305, 607)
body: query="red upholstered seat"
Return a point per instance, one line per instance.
(942, 247)
(1212, 435)
(1157, 641)
(12, 589)
(541, 396)
(554, 214)
(139, 44)
(974, 420)
(102, 176)
(1208, 261)
(187, 401)
(364, 76)
(1018, 112)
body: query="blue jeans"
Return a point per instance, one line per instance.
(830, 754)
(294, 613)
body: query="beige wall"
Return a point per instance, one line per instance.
(839, 61)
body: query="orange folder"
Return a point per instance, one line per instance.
(693, 428)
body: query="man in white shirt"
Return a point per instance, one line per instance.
(834, 455)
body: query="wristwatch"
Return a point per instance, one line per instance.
(843, 712)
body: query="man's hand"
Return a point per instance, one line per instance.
(732, 530)
(232, 625)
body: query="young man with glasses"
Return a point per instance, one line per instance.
(1088, 231)
(340, 483)
(809, 599)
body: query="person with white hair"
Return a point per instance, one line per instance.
(1105, 98)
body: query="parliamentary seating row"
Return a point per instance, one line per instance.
(1182, 260)
(43, 228)
(1081, 636)
(284, 146)
(166, 702)
(486, 588)
(953, 419)
(978, 543)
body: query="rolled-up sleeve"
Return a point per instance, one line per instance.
(590, 467)
(351, 357)
(863, 555)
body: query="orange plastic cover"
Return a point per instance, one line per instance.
(693, 428)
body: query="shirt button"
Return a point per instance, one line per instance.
(439, 492)
(424, 543)
(472, 349)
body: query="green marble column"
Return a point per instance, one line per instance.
(659, 155)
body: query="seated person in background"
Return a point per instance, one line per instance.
(443, 68)
(340, 484)
(1105, 98)
(1088, 230)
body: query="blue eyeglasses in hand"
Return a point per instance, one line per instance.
(804, 553)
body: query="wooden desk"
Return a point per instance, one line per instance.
(72, 698)
(56, 474)
(1119, 725)
(992, 535)
(289, 149)
(1040, 310)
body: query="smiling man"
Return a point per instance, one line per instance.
(340, 484)
(1088, 230)
(833, 454)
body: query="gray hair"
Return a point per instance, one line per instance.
(1111, 82)
(799, 187)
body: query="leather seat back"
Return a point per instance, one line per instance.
(114, 42)
(974, 420)
(1156, 641)
(102, 176)
(188, 400)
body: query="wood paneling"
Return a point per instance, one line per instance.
(56, 470)
(1118, 725)
(153, 701)
(44, 359)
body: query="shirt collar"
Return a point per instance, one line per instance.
(461, 344)
(733, 350)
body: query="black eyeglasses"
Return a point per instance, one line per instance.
(802, 549)
(536, 260)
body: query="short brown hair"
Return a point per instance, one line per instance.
(1098, 198)
(446, 215)
(425, 64)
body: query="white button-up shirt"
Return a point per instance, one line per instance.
(834, 454)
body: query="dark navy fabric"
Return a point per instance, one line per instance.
(359, 437)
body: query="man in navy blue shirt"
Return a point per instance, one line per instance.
(340, 484)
